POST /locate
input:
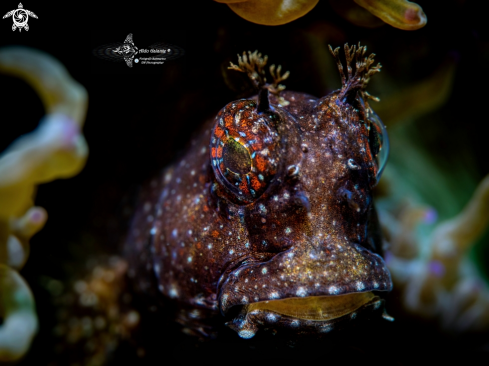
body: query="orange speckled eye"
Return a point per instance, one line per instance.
(245, 150)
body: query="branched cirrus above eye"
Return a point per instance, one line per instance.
(245, 150)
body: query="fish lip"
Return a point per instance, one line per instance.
(373, 299)
(249, 321)
(235, 290)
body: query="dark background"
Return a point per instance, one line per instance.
(138, 122)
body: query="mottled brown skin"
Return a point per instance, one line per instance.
(309, 229)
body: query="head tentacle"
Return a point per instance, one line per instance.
(356, 82)
(253, 64)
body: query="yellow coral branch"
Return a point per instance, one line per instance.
(49, 78)
(56, 149)
(444, 284)
(453, 238)
(271, 12)
(400, 14)
(18, 311)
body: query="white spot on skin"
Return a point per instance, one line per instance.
(189, 259)
(301, 291)
(326, 328)
(231, 251)
(264, 270)
(274, 295)
(271, 318)
(334, 290)
(360, 286)
(376, 285)
(244, 300)
(173, 292)
(246, 334)
(294, 323)
(352, 165)
(288, 230)
(224, 299)
(174, 233)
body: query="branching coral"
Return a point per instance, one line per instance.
(400, 14)
(442, 282)
(56, 149)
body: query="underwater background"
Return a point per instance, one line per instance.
(433, 91)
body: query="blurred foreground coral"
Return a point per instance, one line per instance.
(400, 14)
(434, 276)
(56, 149)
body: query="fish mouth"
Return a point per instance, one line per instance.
(304, 289)
(295, 274)
(313, 314)
(315, 308)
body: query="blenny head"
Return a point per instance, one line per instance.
(270, 211)
(300, 173)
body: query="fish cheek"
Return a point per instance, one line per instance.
(354, 203)
(276, 224)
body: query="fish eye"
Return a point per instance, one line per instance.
(245, 151)
(236, 158)
(379, 142)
